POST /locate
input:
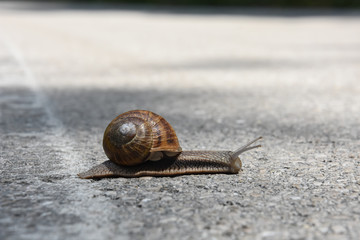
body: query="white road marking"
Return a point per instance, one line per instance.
(78, 192)
(57, 133)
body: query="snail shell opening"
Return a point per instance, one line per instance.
(156, 156)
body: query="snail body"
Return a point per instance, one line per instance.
(142, 143)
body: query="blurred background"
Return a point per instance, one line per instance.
(254, 3)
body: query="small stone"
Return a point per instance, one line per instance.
(338, 229)
(145, 200)
(317, 183)
(268, 234)
(240, 121)
(324, 230)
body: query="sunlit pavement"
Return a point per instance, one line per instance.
(220, 78)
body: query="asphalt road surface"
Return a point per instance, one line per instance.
(220, 78)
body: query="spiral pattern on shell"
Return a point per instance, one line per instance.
(137, 136)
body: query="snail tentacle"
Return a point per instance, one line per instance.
(235, 160)
(245, 148)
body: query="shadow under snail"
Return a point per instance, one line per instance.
(142, 143)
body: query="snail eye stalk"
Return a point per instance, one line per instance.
(245, 148)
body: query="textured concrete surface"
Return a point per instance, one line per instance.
(220, 80)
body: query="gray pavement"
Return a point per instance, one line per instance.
(220, 79)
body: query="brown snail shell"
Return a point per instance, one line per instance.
(138, 136)
(142, 143)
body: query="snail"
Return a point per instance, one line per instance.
(142, 143)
